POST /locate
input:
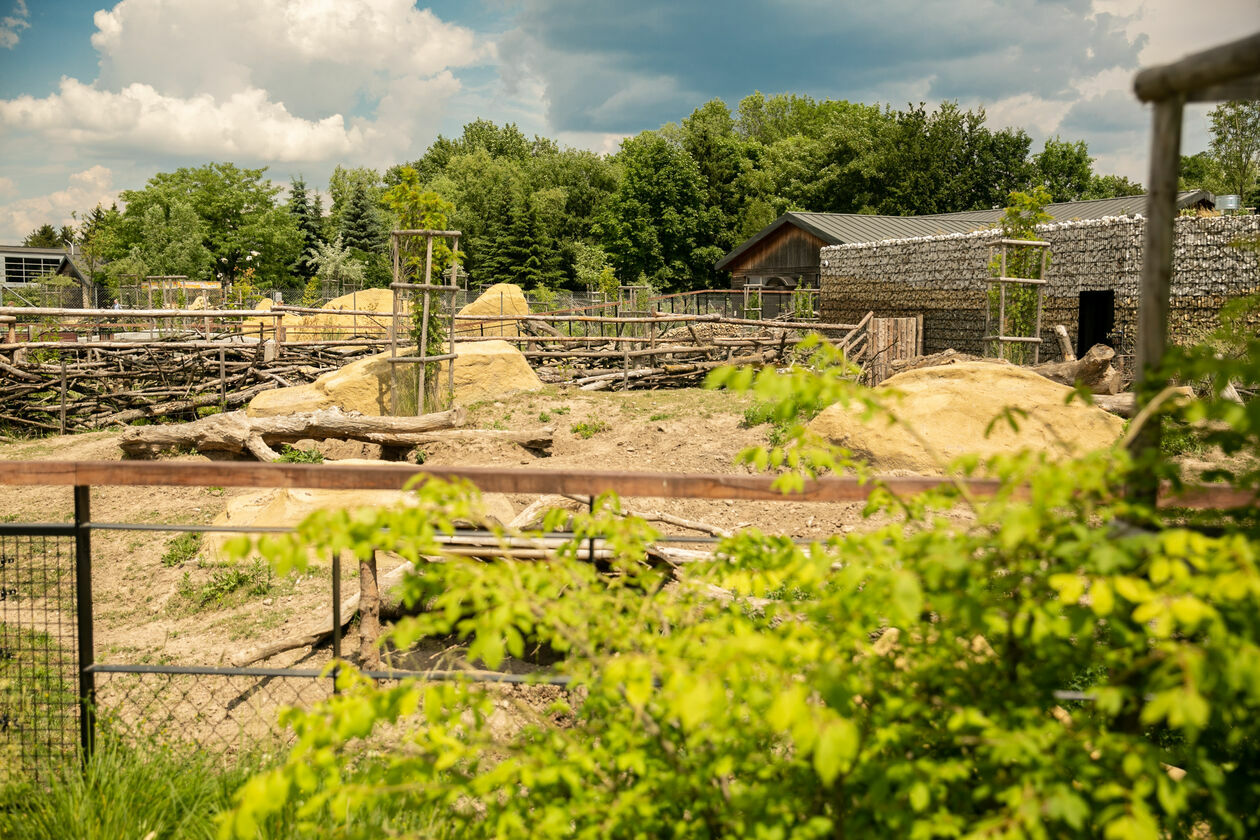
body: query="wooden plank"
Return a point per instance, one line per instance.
(495, 480)
(1153, 288)
(1215, 66)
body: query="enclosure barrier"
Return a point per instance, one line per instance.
(54, 689)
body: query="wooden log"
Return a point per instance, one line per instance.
(232, 431)
(1065, 344)
(1092, 370)
(314, 632)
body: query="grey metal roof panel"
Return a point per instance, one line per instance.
(848, 228)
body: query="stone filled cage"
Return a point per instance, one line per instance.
(1091, 281)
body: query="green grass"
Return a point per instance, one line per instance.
(181, 549)
(293, 455)
(227, 585)
(588, 429)
(666, 415)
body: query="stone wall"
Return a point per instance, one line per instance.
(946, 278)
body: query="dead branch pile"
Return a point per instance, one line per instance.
(85, 386)
(237, 433)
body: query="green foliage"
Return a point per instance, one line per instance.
(159, 792)
(308, 216)
(181, 549)
(362, 224)
(1065, 169)
(294, 455)
(587, 429)
(1235, 145)
(1023, 213)
(232, 209)
(46, 236)
(902, 682)
(247, 581)
(335, 265)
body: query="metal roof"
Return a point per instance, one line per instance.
(847, 228)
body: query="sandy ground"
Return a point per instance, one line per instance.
(144, 615)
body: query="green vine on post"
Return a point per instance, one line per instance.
(417, 208)
(1023, 213)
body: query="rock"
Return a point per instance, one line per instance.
(486, 369)
(298, 399)
(499, 299)
(328, 324)
(951, 407)
(286, 507)
(483, 369)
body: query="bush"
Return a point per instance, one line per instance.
(1034, 671)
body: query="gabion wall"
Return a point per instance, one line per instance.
(945, 278)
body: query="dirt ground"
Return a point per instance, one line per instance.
(148, 611)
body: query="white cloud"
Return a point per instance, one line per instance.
(7, 187)
(243, 124)
(14, 23)
(258, 80)
(85, 190)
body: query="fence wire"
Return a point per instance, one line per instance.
(39, 715)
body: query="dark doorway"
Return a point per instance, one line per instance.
(1096, 321)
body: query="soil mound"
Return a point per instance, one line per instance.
(499, 299)
(952, 406)
(483, 369)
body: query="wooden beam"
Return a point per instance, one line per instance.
(1215, 66)
(497, 480)
(1153, 289)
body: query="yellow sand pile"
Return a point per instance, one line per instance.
(483, 369)
(500, 299)
(952, 406)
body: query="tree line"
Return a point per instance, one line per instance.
(661, 210)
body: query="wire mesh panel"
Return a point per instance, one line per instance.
(39, 717)
(218, 712)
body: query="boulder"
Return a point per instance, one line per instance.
(286, 507)
(499, 299)
(488, 369)
(329, 324)
(952, 406)
(483, 369)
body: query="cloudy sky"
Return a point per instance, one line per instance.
(96, 98)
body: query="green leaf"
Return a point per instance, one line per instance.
(837, 747)
(920, 796)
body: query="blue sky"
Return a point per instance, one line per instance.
(96, 96)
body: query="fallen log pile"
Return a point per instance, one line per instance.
(236, 433)
(77, 387)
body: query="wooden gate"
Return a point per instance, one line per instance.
(891, 338)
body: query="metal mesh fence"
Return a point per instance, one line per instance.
(217, 712)
(38, 664)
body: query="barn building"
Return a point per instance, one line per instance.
(785, 253)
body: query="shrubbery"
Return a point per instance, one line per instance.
(1060, 664)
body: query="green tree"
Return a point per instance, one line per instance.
(653, 223)
(44, 236)
(307, 215)
(1199, 172)
(1111, 186)
(1235, 145)
(1018, 305)
(243, 229)
(336, 268)
(172, 241)
(342, 185)
(416, 208)
(1064, 168)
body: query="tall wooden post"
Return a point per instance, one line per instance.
(1153, 289)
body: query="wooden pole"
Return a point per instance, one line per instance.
(63, 395)
(1153, 289)
(222, 380)
(421, 372)
(369, 615)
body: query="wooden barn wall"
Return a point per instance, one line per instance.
(945, 278)
(789, 252)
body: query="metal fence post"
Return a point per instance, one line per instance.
(336, 610)
(83, 612)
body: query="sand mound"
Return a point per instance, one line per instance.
(286, 507)
(952, 406)
(499, 299)
(483, 369)
(331, 325)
